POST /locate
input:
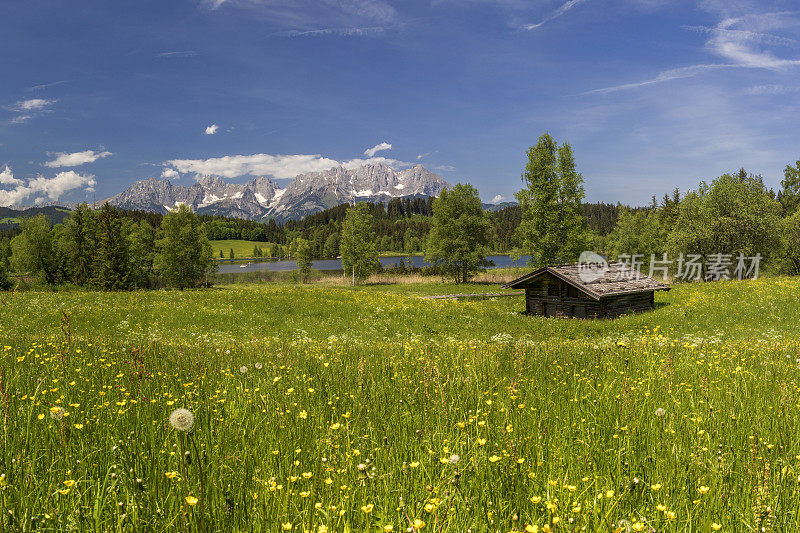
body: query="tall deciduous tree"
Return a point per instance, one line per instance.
(358, 247)
(301, 252)
(460, 232)
(733, 215)
(142, 251)
(33, 250)
(5, 282)
(185, 257)
(553, 227)
(790, 192)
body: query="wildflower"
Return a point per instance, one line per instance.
(638, 526)
(531, 528)
(702, 489)
(243, 369)
(322, 529)
(64, 492)
(715, 526)
(56, 413)
(303, 414)
(536, 499)
(367, 508)
(287, 526)
(494, 458)
(362, 467)
(656, 487)
(40, 416)
(418, 524)
(258, 367)
(660, 412)
(454, 459)
(78, 426)
(191, 500)
(388, 528)
(69, 482)
(181, 419)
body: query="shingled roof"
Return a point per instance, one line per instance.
(616, 280)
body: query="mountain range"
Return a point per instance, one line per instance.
(262, 198)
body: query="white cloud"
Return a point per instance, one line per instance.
(179, 53)
(75, 159)
(27, 109)
(377, 148)
(170, 173)
(278, 166)
(499, 199)
(734, 39)
(212, 129)
(41, 188)
(426, 154)
(33, 104)
(445, 168)
(7, 178)
(555, 14)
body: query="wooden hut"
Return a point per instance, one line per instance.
(567, 291)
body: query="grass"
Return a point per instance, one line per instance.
(241, 249)
(324, 406)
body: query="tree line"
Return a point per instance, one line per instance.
(107, 249)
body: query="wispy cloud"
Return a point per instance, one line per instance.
(46, 85)
(179, 53)
(344, 32)
(170, 173)
(554, 15)
(212, 129)
(277, 166)
(426, 154)
(734, 40)
(772, 89)
(27, 109)
(377, 148)
(64, 159)
(42, 188)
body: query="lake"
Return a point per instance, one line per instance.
(281, 265)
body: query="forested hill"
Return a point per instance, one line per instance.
(401, 225)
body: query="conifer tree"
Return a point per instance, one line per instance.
(110, 270)
(81, 244)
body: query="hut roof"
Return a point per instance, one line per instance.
(617, 279)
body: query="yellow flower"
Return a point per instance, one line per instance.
(530, 528)
(609, 494)
(305, 494)
(638, 526)
(655, 487)
(661, 507)
(78, 426)
(322, 529)
(418, 524)
(304, 415)
(191, 500)
(388, 528)
(69, 482)
(414, 464)
(494, 458)
(716, 527)
(287, 526)
(481, 442)
(702, 489)
(536, 499)
(64, 491)
(367, 508)
(41, 416)
(307, 475)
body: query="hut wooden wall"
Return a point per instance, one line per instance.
(549, 296)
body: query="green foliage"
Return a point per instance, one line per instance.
(141, 252)
(459, 236)
(553, 228)
(789, 253)
(81, 243)
(184, 257)
(638, 233)
(110, 267)
(33, 250)
(301, 252)
(358, 247)
(790, 192)
(733, 215)
(5, 281)
(331, 248)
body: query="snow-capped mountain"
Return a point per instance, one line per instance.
(262, 198)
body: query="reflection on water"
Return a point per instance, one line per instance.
(282, 265)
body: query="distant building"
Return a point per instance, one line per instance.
(566, 291)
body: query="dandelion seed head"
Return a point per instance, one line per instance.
(182, 419)
(660, 412)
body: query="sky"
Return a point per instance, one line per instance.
(652, 94)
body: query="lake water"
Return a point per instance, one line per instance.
(280, 265)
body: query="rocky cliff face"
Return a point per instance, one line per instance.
(262, 198)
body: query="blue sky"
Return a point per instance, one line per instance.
(652, 94)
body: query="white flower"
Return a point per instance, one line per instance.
(660, 412)
(182, 419)
(362, 467)
(258, 366)
(454, 459)
(243, 370)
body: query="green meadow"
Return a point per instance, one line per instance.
(329, 408)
